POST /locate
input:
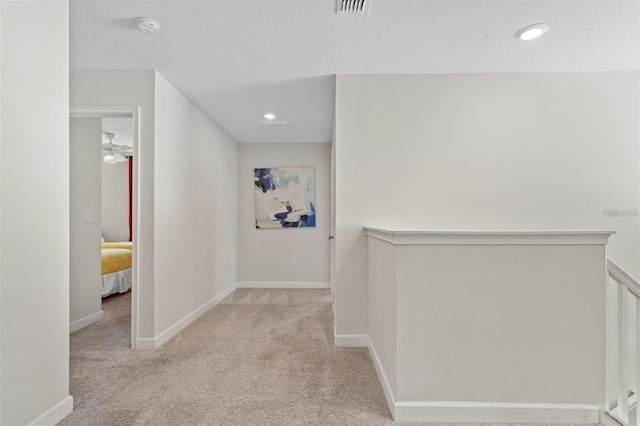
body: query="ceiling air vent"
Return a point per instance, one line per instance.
(352, 6)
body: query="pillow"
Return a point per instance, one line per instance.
(102, 238)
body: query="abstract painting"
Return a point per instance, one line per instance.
(285, 197)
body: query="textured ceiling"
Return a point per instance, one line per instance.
(236, 59)
(122, 128)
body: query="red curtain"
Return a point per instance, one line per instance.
(130, 198)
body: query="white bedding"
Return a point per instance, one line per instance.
(117, 282)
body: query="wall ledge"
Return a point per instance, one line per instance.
(415, 237)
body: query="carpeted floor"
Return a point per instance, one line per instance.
(260, 357)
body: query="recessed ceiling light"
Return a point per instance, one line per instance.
(269, 116)
(532, 31)
(148, 25)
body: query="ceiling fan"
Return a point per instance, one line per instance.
(112, 153)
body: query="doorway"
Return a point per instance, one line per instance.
(98, 114)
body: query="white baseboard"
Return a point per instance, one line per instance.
(162, 338)
(389, 392)
(351, 340)
(495, 412)
(482, 412)
(146, 343)
(86, 321)
(54, 414)
(283, 284)
(610, 419)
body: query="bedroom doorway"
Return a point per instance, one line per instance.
(114, 216)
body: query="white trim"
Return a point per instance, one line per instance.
(623, 277)
(351, 340)
(610, 419)
(401, 237)
(135, 211)
(389, 392)
(162, 338)
(283, 284)
(146, 343)
(496, 412)
(86, 321)
(100, 111)
(54, 414)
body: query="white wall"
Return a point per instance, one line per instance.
(115, 201)
(115, 182)
(459, 152)
(186, 199)
(34, 243)
(196, 214)
(133, 88)
(264, 254)
(85, 175)
(526, 327)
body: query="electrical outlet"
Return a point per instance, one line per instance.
(195, 280)
(88, 216)
(292, 261)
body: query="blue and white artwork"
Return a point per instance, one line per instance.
(285, 197)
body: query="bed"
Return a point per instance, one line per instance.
(121, 245)
(116, 268)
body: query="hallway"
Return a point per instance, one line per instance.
(260, 357)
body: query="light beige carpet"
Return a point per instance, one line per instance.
(260, 357)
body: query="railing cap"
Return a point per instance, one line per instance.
(623, 277)
(528, 237)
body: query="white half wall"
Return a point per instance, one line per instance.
(34, 212)
(85, 175)
(115, 201)
(264, 254)
(491, 327)
(131, 88)
(501, 323)
(196, 209)
(490, 151)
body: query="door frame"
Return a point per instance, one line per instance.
(124, 112)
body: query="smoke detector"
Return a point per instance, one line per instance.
(352, 6)
(148, 25)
